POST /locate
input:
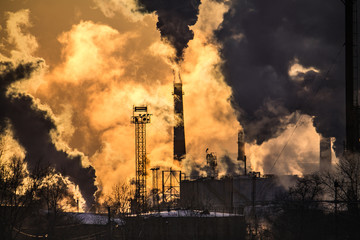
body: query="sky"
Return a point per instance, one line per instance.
(71, 72)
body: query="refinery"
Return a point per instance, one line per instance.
(179, 119)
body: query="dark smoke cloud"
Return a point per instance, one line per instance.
(260, 41)
(174, 19)
(31, 128)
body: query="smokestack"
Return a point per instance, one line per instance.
(351, 76)
(241, 148)
(179, 132)
(241, 145)
(325, 154)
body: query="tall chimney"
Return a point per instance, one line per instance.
(325, 154)
(179, 132)
(241, 148)
(351, 76)
(241, 145)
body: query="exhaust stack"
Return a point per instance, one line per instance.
(241, 148)
(352, 78)
(179, 132)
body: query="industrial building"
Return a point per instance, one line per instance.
(233, 194)
(249, 190)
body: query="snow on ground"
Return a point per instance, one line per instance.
(102, 219)
(95, 219)
(188, 213)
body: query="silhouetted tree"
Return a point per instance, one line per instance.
(344, 180)
(119, 199)
(299, 212)
(18, 190)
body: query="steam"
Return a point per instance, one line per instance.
(174, 20)
(31, 124)
(31, 127)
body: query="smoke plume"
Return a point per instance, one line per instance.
(32, 126)
(174, 20)
(284, 56)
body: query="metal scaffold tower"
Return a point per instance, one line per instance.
(140, 118)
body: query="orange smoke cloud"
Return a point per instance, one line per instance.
(105, 71)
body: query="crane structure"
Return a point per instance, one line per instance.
(140, 118)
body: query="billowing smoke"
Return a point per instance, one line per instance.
(283, 56)
(32, 127)
(174, 19)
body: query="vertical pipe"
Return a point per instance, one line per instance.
(241, 145)
(163, 187)
(351, 78)
(171, 187)
(245, 165)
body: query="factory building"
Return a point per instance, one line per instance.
(233, 194)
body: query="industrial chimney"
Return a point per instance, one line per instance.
(351, 76)
(179, 132)
(241, 145)
(325, 154)
(241, 148)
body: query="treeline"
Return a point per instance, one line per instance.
(31, 200)
(323, 205)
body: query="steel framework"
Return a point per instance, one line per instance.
(140, 118)
(171, 180)
(155, 189)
